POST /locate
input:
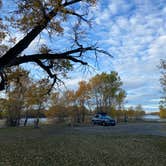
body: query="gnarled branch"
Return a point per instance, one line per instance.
(65, 55)
(24, 43)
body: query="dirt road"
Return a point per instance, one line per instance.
(121, 129)
(126, 129)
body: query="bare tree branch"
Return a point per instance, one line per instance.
(46, 68)
(32, 58)
(81, 17)
(65, 55)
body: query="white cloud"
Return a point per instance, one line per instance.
(158, 48)
(73, 82)
(119, 6)
(135, 34)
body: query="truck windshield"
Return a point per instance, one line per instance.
(108, 117)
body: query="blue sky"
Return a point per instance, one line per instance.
(134, 32)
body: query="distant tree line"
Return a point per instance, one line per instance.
(27, 98)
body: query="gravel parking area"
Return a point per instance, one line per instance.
(142, 128)
(137, 128)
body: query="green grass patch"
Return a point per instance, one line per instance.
(60, 146)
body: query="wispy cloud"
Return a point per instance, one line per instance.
(135, 33)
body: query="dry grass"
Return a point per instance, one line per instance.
(59, 146)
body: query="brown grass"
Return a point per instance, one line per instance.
(59, 146)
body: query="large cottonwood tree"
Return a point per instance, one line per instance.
(31, 18)
(106, 91)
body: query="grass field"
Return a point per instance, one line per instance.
(62, 146)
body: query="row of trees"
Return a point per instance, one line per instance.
(24, 97)
(102, 92)
(28, 98)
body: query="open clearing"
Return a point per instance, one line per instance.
(125, 144)
(142, 128)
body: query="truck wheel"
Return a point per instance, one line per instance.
(103, 123)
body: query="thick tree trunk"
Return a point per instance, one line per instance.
(26, 121)
(83, 116)
(13, 122)
(78, 116)
(36, 123)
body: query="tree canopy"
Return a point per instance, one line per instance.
(31, 18)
